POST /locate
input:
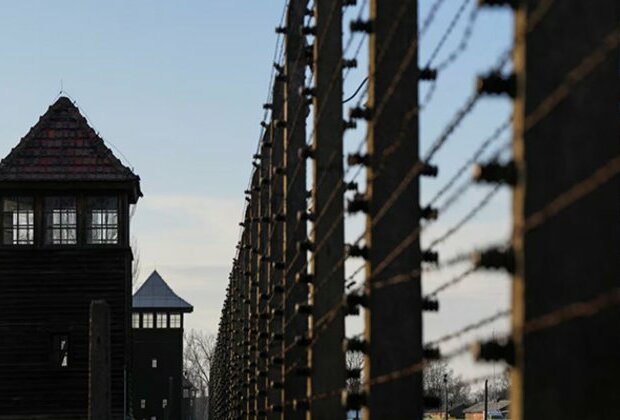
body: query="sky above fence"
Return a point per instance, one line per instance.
(176, 88)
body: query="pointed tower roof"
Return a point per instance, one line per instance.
(63, 147)
(156, 294)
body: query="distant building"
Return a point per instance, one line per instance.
(64, 241)
(496, 410)
(157, 375)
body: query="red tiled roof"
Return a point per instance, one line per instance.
(63, 147)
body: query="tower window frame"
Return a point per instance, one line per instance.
(61, 220)
(147, 320)
(102, 220)
(18, 224)
(161, 320)
(176, 320)
(135, 320)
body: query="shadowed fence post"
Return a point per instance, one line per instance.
(295, 202)
(99, 385)
(394, 317)
(253, 296)
(263, 274)
(277, 286)
(566, 127)
(327, 291)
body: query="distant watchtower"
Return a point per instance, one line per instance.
(157, 374)
(64, 241)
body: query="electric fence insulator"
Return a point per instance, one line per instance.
(276, 385)
(279, 68)
(353, 400)
(354, 373)
(494, 350)
(303, 278)
(301, 405)
(281, 29)
(247, 192)
(353, 301)
(430, 305)
(496, 173)
(267, 106)
(357, 251)
(304, 216)
(256, 165)
(361, 25)
(281, 78)
(305, 152)
(303, 341)
(429, 213)
(303, 309)
(278, 266)
(513, 4)
(256, 156)
(279, 123)
(429, 170)
(430, 256)
(349, 125)
(277, 360)
(307, 91)
(358, 159)
(360, 113)
(309, 53)
(276, 408)
(351, 186)
(304, 371)
(430, 353)
(279, 217)
(495, 258)
(354, 344)
(497, 84)
(427, 74)
(308, 30)
(309, 12)
(248, 199)
(242, 225)
(349, 64)
(359, 203)
(305, 246)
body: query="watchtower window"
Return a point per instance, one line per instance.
(102, 223)
(147, 320)
(60, 221)
(162, 319)
(175, 320)
(135, 320)
(18, 221)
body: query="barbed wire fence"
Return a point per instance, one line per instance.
(282, 339)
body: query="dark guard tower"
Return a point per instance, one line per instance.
(157, 374)
(64, 227)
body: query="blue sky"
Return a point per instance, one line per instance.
(177, 87)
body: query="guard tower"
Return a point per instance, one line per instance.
(157, 373)
(64, 241)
